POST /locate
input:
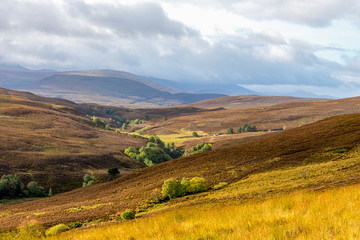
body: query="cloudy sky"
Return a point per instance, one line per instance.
(270, 46)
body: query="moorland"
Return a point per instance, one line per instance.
(270, 183)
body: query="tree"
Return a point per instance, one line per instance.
(35, 190)
(98, 122)
(165, 118)
(172, 188)
(88, 180)
(197, 185)
(195, 134)
(50, 194)
(229, 131)
(11, 186)
(113, 172)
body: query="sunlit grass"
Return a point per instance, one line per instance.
(333, 214)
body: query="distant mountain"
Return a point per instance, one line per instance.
(219, 88)
(113, 88)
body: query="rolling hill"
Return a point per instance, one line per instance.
(248, 101)
(320, 155)
(47, 140)
(112, 88)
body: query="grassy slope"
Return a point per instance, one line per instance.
(301, 158)
(272, 118)
(247, 101)
(184, 120)
(54, 144)
(333, 214)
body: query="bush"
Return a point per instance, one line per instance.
(113, 172)
(127, 215)
(50, 194)
(220, 185)
(197, 185)
(172, 188)
(35, 190)
(57, 229)
(74, 225)
(229, 131)
(247, 128)
(99, 122)
(202, 147)
(195, 134)
(88, 180)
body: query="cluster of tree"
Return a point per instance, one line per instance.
(100, 123)
(155, 152)
(174, 188)
(247, 128)
(12, 187)
(201, 147)
(243, 129)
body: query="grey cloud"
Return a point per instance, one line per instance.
(142, 39)
(76, 18)
(129, 20)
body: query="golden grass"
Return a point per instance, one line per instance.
(332, 214)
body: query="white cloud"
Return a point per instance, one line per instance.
(245, 42)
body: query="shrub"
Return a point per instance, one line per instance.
(30, 230)
(113, 172)
(247, 128)
(56, 229)
(220, 185)
(195, 134)
(74, 225)
(127, 215)
(35, 190)
(201, 147)
(88, 180)
(99, 122)
(197, 185)
(50, 194)
(229, 131)
(172, 188)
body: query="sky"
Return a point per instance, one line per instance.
(270, 46)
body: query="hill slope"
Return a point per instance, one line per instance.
(49, 141)
(249, 101)
(325, 153)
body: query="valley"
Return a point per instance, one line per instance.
(300, 147)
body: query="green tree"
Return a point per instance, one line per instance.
(165, 118)
(99, 122)
(229, 131)
(197, 185)
(113, 172)
(35, 190)
(50, 194)
(11, 186)
(88, 180)
(195, 134)
(172, 188)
